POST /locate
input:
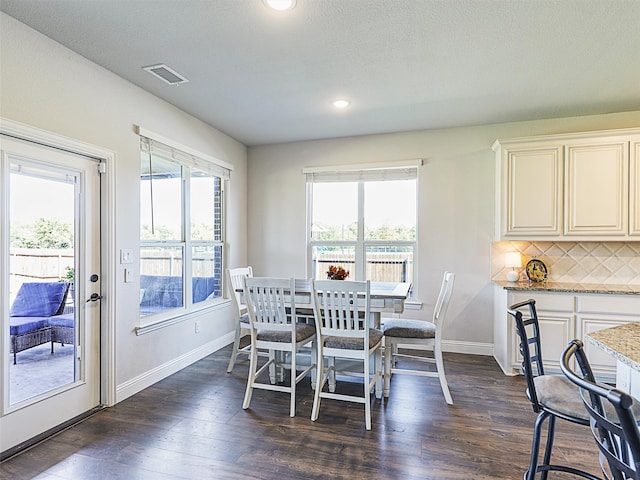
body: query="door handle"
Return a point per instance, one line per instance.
(94, 297)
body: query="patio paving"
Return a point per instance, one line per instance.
(39, 371)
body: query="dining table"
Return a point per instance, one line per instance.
(623, 343)
(385, 297)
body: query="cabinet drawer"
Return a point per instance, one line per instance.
(609, 304)
(557, 302)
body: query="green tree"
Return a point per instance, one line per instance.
(43, 233)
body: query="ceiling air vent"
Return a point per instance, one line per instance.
(166, 74)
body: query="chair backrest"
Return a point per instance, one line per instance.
(342, 308)
(40, 299)
(442, 303)
(529, 340)
(235, 282)
(615, 430)
(270, 302)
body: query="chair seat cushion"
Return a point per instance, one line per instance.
(557, 393)
(303, 331)
(408, 328)
(67, 320)
(349, 343)
(22, 325)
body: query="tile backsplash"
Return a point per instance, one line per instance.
(575, 262)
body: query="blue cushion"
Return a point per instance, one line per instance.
(158, 293)
(22, 325)
(39, 299)
(67, 320)
(202, 288)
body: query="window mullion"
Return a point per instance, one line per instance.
(360, 250)
(186, 236)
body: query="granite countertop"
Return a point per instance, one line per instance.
(570, 287)
(622, 341)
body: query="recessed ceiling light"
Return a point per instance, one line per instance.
(341, 103)
(280, 4)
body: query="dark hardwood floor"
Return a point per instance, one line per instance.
(191, 425)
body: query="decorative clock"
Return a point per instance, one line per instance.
(536, 270)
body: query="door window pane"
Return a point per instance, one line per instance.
(41, 275)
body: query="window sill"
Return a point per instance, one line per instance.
(163, 322)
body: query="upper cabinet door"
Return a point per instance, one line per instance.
(596, 188)
(571, 186)
(534, 192)
(634, 187)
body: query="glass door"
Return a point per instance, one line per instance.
(51, 284)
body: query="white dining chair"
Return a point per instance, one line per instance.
(235, 282)
(272, 323)
(342, 317)
(416, 336)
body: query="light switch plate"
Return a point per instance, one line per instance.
(126, 255)
(128, 275)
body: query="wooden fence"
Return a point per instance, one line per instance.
(38, 265)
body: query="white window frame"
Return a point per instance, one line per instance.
(189, 158)
(362, 173)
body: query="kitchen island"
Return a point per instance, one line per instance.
(623, 344)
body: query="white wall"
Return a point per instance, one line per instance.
(47, 86)
(455, 214)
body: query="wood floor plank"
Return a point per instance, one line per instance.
(192, 425)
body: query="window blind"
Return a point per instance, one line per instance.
(400, 170)
(184, 155)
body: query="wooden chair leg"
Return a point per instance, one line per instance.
(437, 352)
(253, 364)
(292, 409)
(320, 379)
(236, 347)
(367, 395)
(388, 345)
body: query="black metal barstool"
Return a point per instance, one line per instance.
(551, 396)
(614, 417)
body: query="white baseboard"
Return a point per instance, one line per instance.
(453, 346)
(470, 348)
(139, 383)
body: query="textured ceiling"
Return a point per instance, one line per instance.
(265, 77)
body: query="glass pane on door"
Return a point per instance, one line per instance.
(42, 226)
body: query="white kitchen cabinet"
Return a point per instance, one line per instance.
(562, 316)
(557, 327)
(634, 186)
(580, 186)
(596, 187)
(532, 199)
